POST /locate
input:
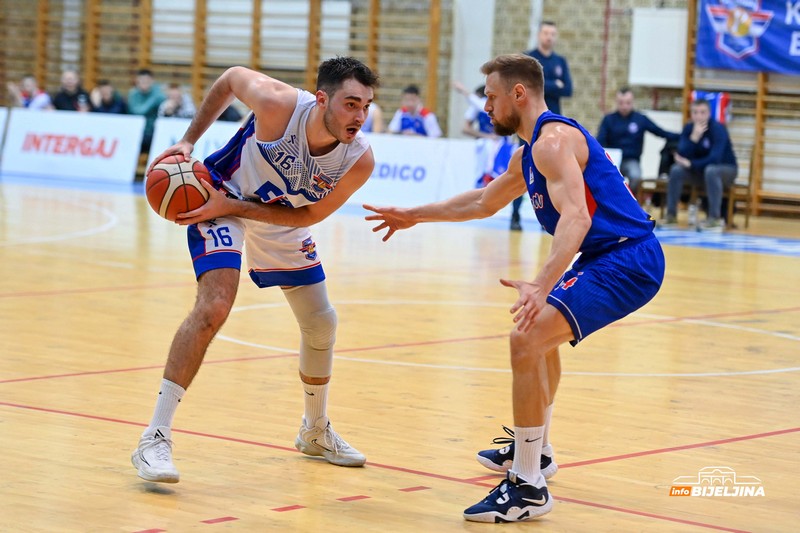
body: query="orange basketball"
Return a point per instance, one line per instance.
(173, 186)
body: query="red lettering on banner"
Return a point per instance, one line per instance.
(70, 145)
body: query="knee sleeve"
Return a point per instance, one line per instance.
(317, 320)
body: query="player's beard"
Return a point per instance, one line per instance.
(506, 127)
(331, 125)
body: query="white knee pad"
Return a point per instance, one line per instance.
(317, 320)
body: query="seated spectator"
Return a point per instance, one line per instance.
(106, 99)
(624, 129)
(71, 96)
(374, 122)
(412, 118)
(178, 103)
(144, 99)
(28, 94)
(231, 114)
(705, 156)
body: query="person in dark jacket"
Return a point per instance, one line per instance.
(705, 155)
(557, 81)
(624, 129)
(106, 99)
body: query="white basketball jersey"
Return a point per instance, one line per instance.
(283, 170)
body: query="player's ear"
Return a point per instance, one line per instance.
(322, 98)
(519, 91)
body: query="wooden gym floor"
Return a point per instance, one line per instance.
(93, 286)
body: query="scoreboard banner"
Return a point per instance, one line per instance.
(756, 35)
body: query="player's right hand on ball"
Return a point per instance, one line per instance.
(183, 148)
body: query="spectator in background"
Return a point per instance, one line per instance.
(705, 155)
(178, 103)
(106, 99)
(71, 96)
(28, 94)
(374, 122)
(412, 118)
(144, 99)
(557, 81)
(493, 152)
(231, 114)
(624, 129)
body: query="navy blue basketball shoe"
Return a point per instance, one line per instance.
(513, 500)
(500, 459)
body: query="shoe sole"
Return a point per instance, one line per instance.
(312, 451)
(548, 472)
(161, 478)
(494, 517)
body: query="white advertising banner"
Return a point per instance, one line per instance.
(416, 170)
(168, 131)
(69, 145)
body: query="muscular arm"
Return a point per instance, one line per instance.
(476, 203)
(220, 205)
(561, 154)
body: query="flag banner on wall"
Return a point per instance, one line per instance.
(759, 35)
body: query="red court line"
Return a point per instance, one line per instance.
(679, 448)
(353, 498)
(448, 478)
(649, 515)
(219, 520)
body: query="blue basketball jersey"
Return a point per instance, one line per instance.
(616, 215)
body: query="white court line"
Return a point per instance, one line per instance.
(112, 221)
(507, 370)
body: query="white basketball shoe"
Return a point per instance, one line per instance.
(153, 457)
(321, 440)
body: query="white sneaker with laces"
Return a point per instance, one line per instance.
(320, 440)
(153, 457)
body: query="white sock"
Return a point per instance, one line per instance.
(547, 415)
(168, 399)
(316, 402)
(527, 454)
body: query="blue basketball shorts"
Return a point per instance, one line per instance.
(276, 255)
(601, 289)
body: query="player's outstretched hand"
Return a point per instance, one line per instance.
(530, 302)
(218, 205)
(183, 148)
(393, 218)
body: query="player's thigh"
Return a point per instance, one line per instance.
(216, 290)
(550, 330)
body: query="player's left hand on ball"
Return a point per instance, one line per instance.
(216, 206)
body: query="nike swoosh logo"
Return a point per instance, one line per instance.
(321, 446)
(309, 393)
(540, 501)
(534, 440)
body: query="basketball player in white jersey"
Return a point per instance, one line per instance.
(297, 158)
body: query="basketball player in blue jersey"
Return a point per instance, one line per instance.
(298, 157)
(581, 199)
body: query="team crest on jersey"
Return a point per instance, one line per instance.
(322, 183)
(310, 249)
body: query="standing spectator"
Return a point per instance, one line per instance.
(705, 155)
(144, 99)
(624, 129)
(28, 94)
(374, 122)
(493, 152)
(412, 118)
(71, 96)
(557, 81)
(178, 103)
(106, 99)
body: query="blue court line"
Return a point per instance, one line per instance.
(734, 242)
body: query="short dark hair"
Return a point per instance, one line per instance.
(547, 23)
(144, 72)
(517, 68)
(624, 89)
(335, 71)
(103, 82)
(411, 89)
(701, 101)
